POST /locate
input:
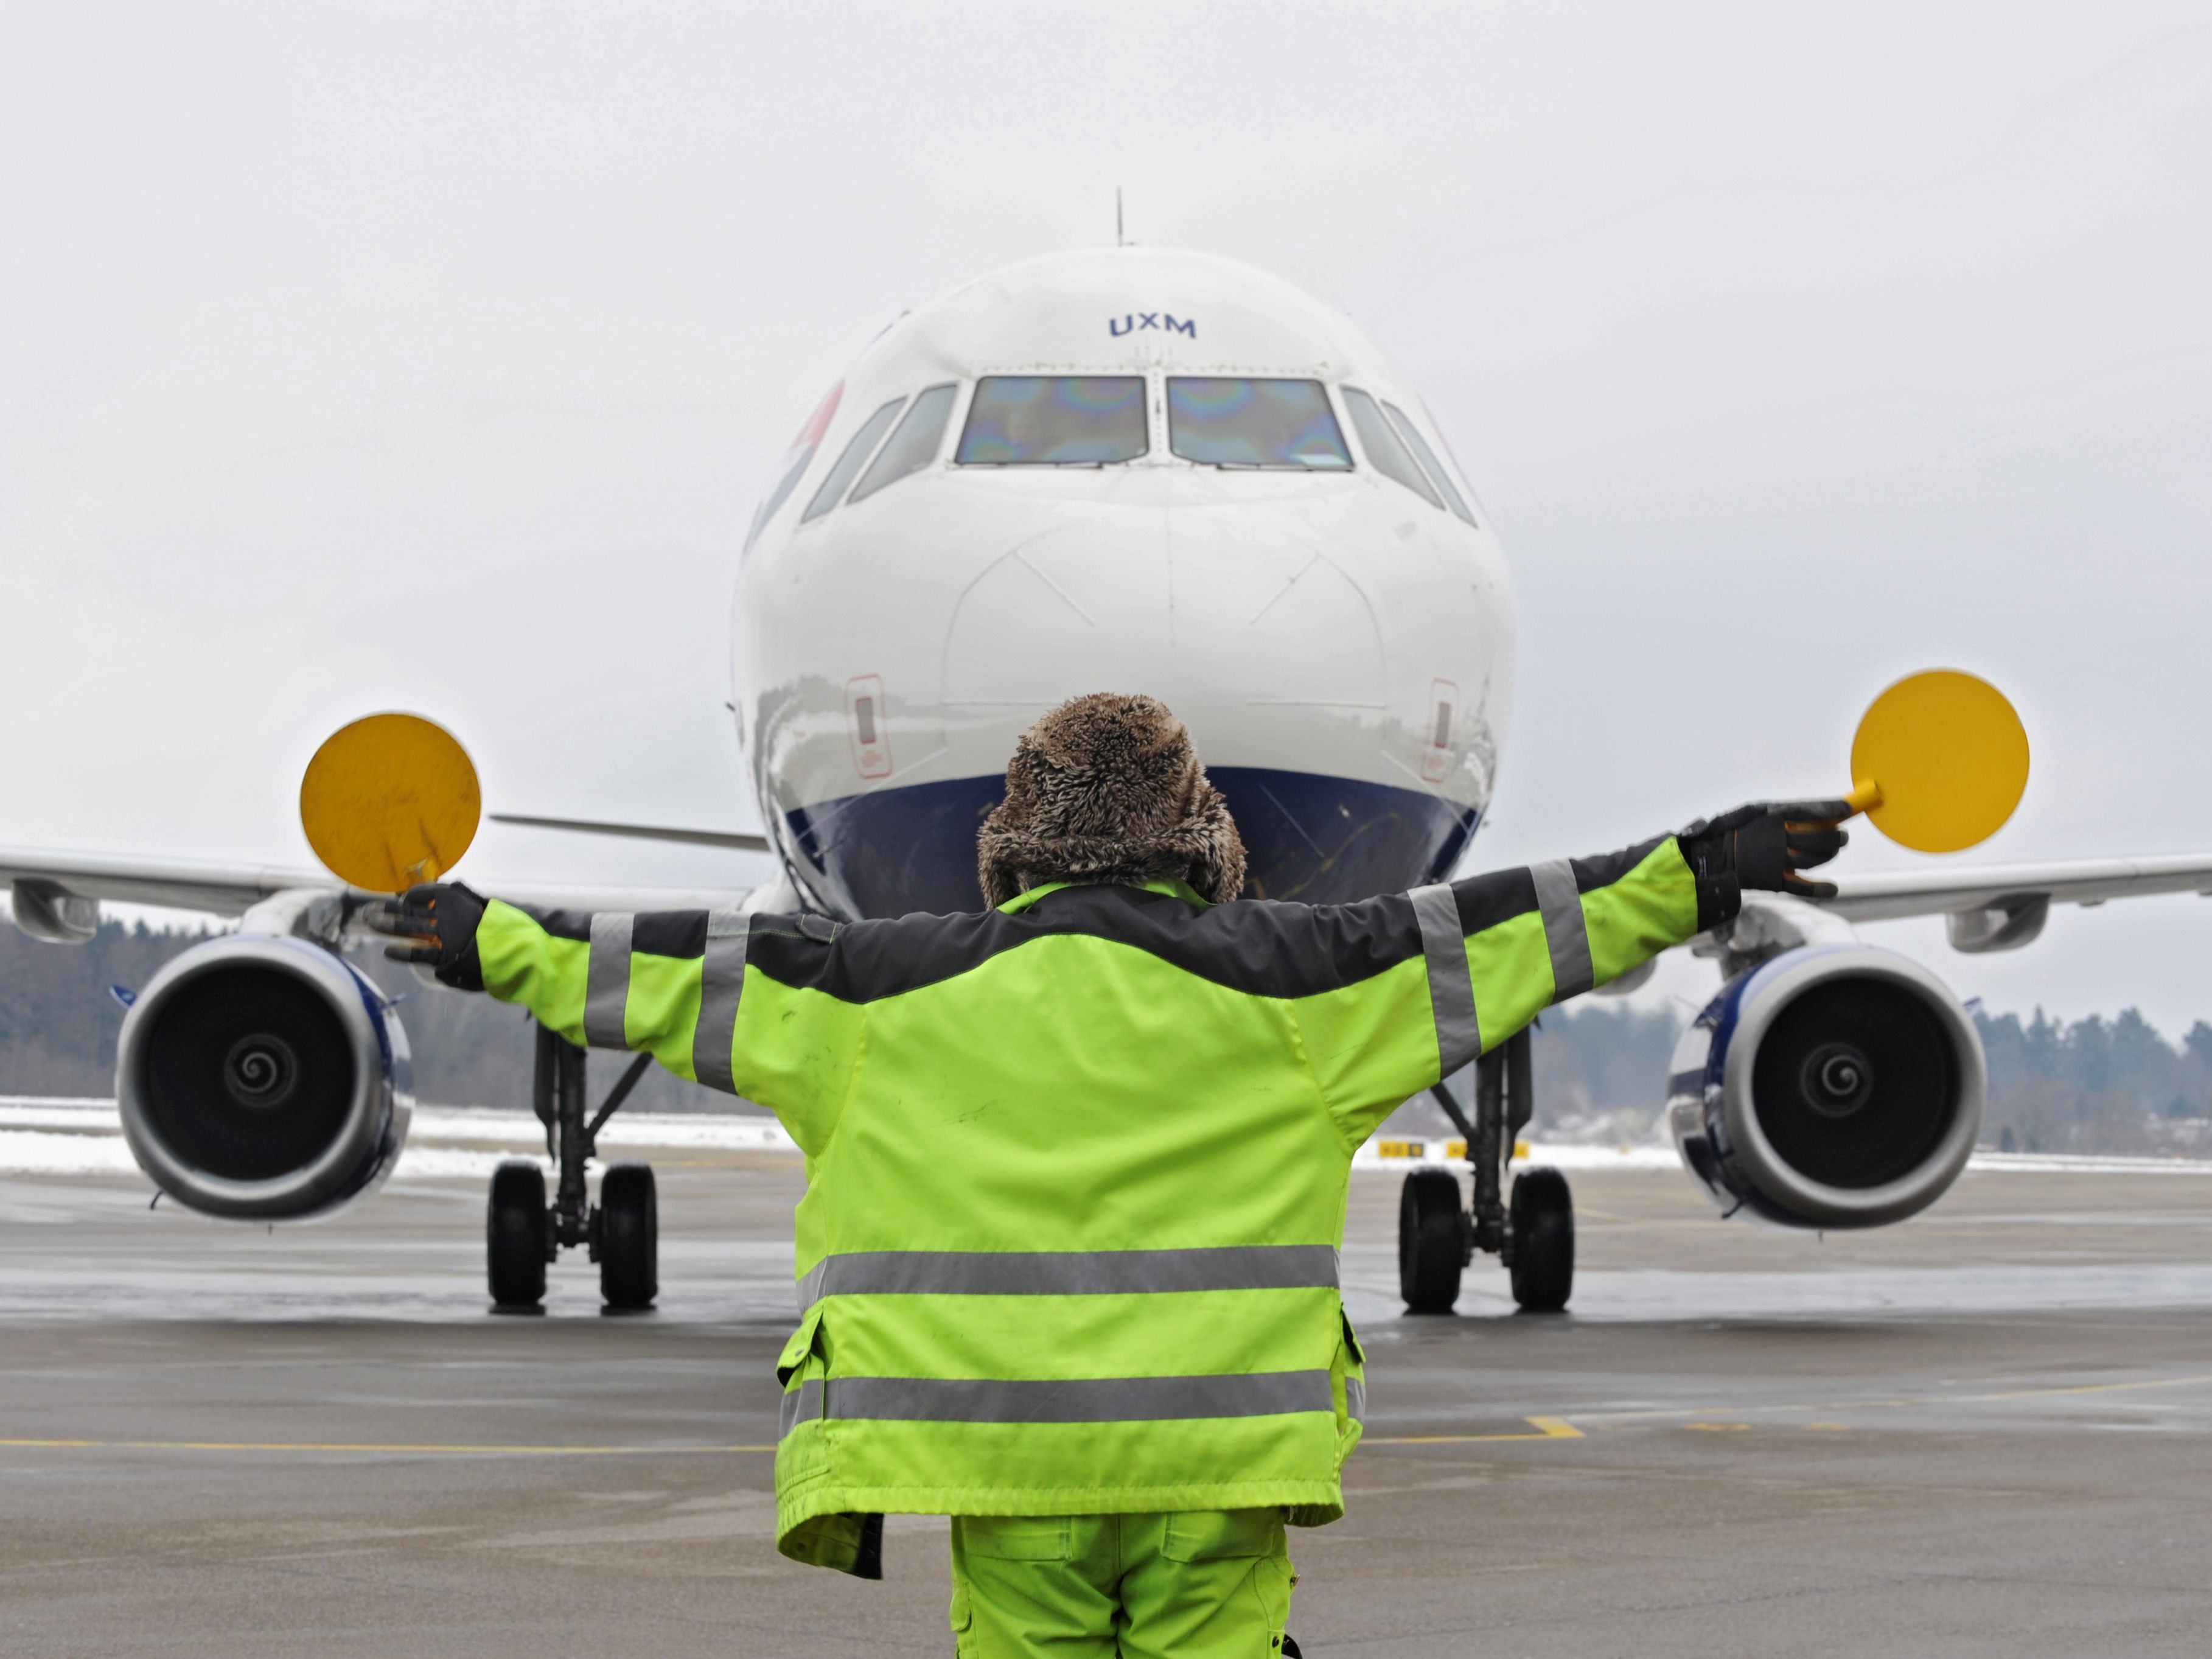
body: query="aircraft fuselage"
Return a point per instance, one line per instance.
(1124, 469)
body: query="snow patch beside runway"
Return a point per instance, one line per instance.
(35, 1151)
(78, 1136)
(58, 1137)
(1389, 1155)
(49, 1152)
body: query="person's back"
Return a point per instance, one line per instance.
(1077, 1164)
(1072, 1224)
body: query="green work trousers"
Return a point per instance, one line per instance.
(1205, 1584)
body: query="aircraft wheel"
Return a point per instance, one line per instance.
(630, 1236)
(1543, 1220)
(1432, 1247)
(515, 1236)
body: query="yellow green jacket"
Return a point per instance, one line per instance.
(1076, 1167)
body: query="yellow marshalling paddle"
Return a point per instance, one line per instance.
(1939, 761)
(389, 802)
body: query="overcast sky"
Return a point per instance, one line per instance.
(364, 355)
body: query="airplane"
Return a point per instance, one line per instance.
(1127, 469)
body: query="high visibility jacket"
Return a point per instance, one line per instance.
(1076, 1167)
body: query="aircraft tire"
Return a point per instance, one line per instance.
(630, 1236)
(1542, 1216)
(515, 1236)
(1431, 1248)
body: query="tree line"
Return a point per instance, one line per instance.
(60, 1019)
(2085, 1085)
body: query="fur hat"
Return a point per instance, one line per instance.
(1107, 788)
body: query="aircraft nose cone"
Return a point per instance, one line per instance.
(1211, 618)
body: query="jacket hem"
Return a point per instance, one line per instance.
(1316, 1503)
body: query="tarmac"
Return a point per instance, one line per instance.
(1988, 1431)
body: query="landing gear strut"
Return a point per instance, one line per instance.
(1532, 1237)
(523, 1233)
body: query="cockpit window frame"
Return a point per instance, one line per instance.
(860, 449)
(1145, 413)
(1167, 381)
(1430, 463)
(1391, 458)
(868, 483)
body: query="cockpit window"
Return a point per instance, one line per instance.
(1222, 422)
(1385, 452)
(1054, 420)
(796, 460)
(862, 446)
(914, 446)
(1441, 478)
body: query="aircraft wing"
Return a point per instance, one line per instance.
(554, 897)
(2013, 888)
(743, 841)
(48, 879)
(222, 890)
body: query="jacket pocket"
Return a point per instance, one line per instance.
(1351, 1348)
(963, 1615)
(802, 1344)
(1017, 1537)
(964, 1623)
(1350, 1383)
(1222, 1535)
(802, 1368)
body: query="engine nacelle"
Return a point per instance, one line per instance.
(264, 1078)
(1836, 1085)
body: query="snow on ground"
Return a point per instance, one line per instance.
(61, 1136)
(35, 1151)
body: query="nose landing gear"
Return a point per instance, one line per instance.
(523, 1233)
(1533, 1237)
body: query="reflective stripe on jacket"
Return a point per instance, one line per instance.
(1077, 1168)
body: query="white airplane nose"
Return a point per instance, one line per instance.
(1213, 615)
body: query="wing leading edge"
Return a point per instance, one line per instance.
(2004, 906)
(50, 879)
(2090, 881)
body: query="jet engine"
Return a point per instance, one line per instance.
(1834, 1086)
(262, 1078)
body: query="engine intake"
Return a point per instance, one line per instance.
(1834, 1086)
(263, 1078)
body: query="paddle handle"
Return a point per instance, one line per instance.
(1865, 795)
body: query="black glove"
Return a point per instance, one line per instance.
(1764, 847)
(439, 923)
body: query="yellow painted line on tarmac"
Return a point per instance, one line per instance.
(1547, 1428)
(371, 1446)
(2091, 1387)
(1721, 1419)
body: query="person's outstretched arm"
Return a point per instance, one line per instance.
(685, 986)
(1494, 951)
